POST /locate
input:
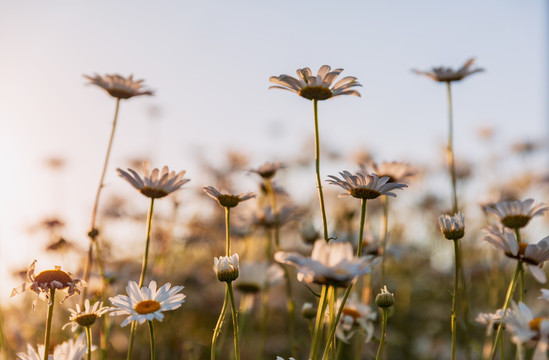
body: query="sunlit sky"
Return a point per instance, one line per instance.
(209, 63)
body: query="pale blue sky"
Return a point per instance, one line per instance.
(210, 61)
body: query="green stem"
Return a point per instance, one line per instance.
(272, 198)
(508, 297)
(384, 236)
(317, 166)
(147, 244)
(383, 333)
(151, 332)
(227, 231)
(333, 327)
(89, 341)
(454, 299)
(361, 230)
(450, 149)
(93, 231)
(48, 323)
(130, 341)
(219, 324)
(235, 322)
(319, 323)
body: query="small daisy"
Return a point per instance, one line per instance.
(227, 200)
(147, 303)
(355, 317)
(444, 74)
(516, 214)
(317, 87)
(226, 268)
(452, 227)
(524, 326)
(118, 86)
(46, 280)
(86, 317)
(491, 320)
(331, 263)
(395, 170)
(72, 349)
(155, 184)
(268, 170)
(365, 187)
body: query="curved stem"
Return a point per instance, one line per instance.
(383, 333)
(219, 324)
(48, 323)
(384, 236)
(454, 299)
(235, 322)
(89, 341)
(227, 231)
(151, 332)
(317, 167)
(318, 324)
(147, 244)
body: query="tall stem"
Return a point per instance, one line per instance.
(450, 149)
(384, 236)
(360, 281)
(319, 323)
(235, 322)
(333, 327)
(219, 324)
(151, 333)
(454, 298)
(317, 166)
(383, 333)
(89, 342)
(48, 323)
(227, 231)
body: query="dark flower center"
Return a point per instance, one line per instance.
(316, 93)
(153, 193)
(86, 320)
(515, 221)
(364, 193)
(228, 201)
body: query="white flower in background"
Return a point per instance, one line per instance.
(524, 326)
(355, 317)
(147, 303)
(452, 227)
(516, 214)
(227, 200)
(154, 184)
(32, 354)
(255, 276)
(86, 317)
(118, 86)
(268, 170)
(365, 187)
(396, 171)
(490, 320)
(446, 74)
(331, 263)
(72, 349)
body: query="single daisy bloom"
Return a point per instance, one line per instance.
(226, 268)
(516, 214)
(147, 303)
(317, 87)
(533, 255)
(355, 317)
(227, 200)
(72, 349)
(331, 263)
(268, 170)
(452, 227)
(446, 74)
(396, 171)
(368, 187)
(33, 354)
(492, 321)
(155, 184)
(524, 326)
(46, 280)
(86, 317)
(118, 86)
(254, 276)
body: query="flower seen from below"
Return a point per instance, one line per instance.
(226, 268)
(317, 87)
(118, 86)
(227, 200)
(365, 187)
(516, 214)
(86, 317)
(155, 184)
(268, 170)
(452, 227)
(446, 74)
(331, 263)
(46, 280)
(355, 317)
(147, 303)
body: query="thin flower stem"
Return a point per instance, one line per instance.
(89, 342)
(521, 279)
(48, 323)
(235, 322)
(383, 333)
(384, 236)
(317, 335)
(219, 324)
(151, 332)
(450, 149)
(508, 297)
(227, 231)
(93, 231)
(317, 166)
(361, 230)
(130, 341)
(333, 327)
(454, 299)
(272, 199)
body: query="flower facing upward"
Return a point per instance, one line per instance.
(533, 255)
(46, 280)
(155, 184)
(86, 317)
(226, 200)
(317, 87)
(355, 316)
(444, 74)
(516, 214)
(268, 170)
(118, 86)
(226, 268)
(452, 227)
(395, 170)
(524, 326)
(365, 187)
(331, 263)
(147, 303)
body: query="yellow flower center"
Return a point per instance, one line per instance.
(515, 221)
(86, 320)
(364, 193)
(520, 255)
(228, 201)
(49, 276)
(153, 193)
(351, 312)
(535, 324)
(147, 307)
(316, 93)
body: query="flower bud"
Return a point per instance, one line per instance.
(385, 299)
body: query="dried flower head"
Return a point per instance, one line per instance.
(317, 87)
(86, 317)
(226, 268)
(118, 86)
(452, 227)
(365, 187)
(268, 170)
(446, 74)
(516, 214)
(226, 200)
(155, 184)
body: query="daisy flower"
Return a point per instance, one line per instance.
(227, 200)
(331, 263)
(365, 187)
(317, 87)
(452, 227)
(445, 74)
(226, 268)
(268, 170)
(516, 214)
(254, 276)
(524, 326)
(491, 320)
(72, 349)
(118, 86)
(147, 303)
(32, 354)
(395, 170)
(355, 317)
(154, 184)
(46, 280)
(86, 317)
